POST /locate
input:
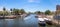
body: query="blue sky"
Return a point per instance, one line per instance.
(30, 5)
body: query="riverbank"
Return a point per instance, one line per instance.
(8, 17)
(54, 21)
(13, 16)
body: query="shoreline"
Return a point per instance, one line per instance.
(13, 16)
(8, 17)
(54, 21)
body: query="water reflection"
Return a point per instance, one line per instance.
(1, 23)
(29, 21)
(9, 22)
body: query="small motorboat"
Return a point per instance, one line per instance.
(48, 21)
(41, 22)
(36, 16)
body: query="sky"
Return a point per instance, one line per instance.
(30, 5)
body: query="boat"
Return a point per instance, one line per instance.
(48, 21)
(41, 22)
(36, 16)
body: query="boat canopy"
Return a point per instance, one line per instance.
(40, 19)
(46, 19)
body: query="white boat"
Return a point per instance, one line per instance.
(48, 21)
(41, 21)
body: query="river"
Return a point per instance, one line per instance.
(29, 21)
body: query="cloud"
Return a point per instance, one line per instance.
(35, 1)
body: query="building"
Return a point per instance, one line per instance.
(57, 9)
(57, 13)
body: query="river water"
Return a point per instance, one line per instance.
(29, 21)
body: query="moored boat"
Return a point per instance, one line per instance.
(48, 21)
(41, 22)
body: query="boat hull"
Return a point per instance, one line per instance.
(41, 24)
(49, 22)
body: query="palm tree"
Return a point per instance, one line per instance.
(11, 10)
(4, 9)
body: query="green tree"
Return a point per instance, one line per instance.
(22, 11)
(38, 12)
(47, 12)
(16, 11)
(4, 9)
(6, 13)
(1, 13)
(11, 10)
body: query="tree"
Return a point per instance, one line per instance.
(16, 11)
(11, 10)
(1, 13)
(22, 11)
(47, 12)
(6, 13)
(4, 9)
(38, 12)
